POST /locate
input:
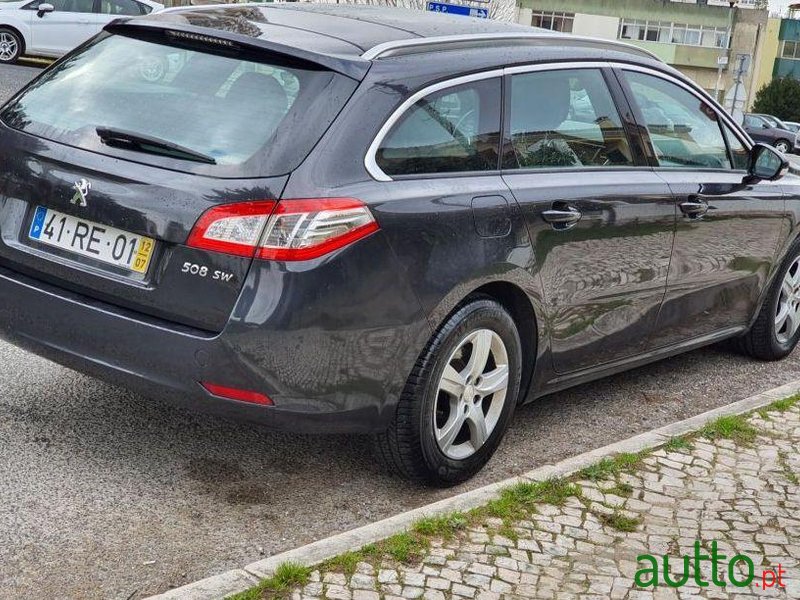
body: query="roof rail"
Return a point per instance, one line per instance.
(449, 42)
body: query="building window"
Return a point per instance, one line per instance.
(790, 50)
(673, 33)
(557, 21)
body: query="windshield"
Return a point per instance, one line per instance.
(217, 106)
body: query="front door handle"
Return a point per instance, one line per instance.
(562, 216)
(694, 208)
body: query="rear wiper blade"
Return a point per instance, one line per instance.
(153, 145)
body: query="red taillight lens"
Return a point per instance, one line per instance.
(294, 230)
(237, 394)
(232, 228)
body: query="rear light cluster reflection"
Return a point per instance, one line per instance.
(289, 230)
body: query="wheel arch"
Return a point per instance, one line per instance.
(19, 32)
(522, 310)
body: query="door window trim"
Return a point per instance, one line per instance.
(722, 116)
(370, 159)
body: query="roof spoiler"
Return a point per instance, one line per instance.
(353, 67)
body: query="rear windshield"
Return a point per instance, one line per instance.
(228, 108)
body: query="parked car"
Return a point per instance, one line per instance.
(341, 231)
(51, 29)
(773, 121)
(761, 129)
(792, 126)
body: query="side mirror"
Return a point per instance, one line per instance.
(766, 164)
(44, 8)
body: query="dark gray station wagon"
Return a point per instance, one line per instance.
(358, 219)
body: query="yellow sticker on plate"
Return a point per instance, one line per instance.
(143, 253)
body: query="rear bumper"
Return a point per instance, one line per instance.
(343, 378)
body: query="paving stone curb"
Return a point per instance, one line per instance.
(237, 580)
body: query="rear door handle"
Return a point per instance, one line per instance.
(562, 216)
(694, 208)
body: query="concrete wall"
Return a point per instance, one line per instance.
(596, 26)
(765, 64)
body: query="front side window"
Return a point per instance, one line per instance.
(456, 129)
(739, 154)
(684, 130)
(564, 119)
(74, 6)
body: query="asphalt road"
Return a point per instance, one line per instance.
(106, 494)
(13, 77)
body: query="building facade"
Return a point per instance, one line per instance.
(705, 42)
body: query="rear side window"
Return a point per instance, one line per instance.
(122, 7)
(565, 119)
(227, 108)
(684, 130)
(457, 129)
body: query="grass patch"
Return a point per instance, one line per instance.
(520, 500)
(732, 427)
(346, 563)
(405, 547)
(287, 577)
(507, 531)
(780, 405)
(678, 443)
(783, 460)
(619, 521)
(445, 526)
(609, 468)
(623, 490)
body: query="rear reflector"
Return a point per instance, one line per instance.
(237, 394)
(292, 230)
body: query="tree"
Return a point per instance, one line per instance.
(781, 98)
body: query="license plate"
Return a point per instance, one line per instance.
(107, 244)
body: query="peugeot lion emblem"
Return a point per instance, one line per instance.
(82, 189)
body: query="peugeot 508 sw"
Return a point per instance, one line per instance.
(359, 219)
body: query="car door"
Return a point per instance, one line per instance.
(68, 26)
(727, 230)
(601, 222)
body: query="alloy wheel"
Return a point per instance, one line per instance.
(471, 394)
(8, 46)
(782, 147)
(787, 317)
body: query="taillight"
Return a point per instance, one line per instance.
(292, 230)
(232, 228)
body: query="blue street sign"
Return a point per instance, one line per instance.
(455, 9)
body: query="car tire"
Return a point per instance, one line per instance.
(11, 45)
(783, 146)
(775, 333)
(436, 436)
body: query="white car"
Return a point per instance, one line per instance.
(54, 27)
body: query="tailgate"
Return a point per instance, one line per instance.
(189, 286)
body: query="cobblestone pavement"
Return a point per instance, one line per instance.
(744, 497)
